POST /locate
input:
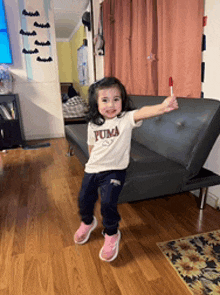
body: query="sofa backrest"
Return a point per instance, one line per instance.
(185, 135)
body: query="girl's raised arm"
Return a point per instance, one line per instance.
(168, 105)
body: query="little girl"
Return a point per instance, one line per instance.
(111, 120)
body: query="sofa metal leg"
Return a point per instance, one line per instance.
(70, 152)
(202, 197)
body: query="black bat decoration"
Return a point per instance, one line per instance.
(36, 24)
(22, 32)
(25, 12)
(44, 59)
(30, 51)
(42, 43)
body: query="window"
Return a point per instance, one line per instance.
(5, 50)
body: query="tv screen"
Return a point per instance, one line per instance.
(5, 50)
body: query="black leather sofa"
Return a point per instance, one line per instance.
(167, 152)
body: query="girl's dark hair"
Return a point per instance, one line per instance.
(93, 114)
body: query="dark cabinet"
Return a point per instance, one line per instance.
(11, 131)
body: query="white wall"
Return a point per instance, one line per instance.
(211, 85)
(99, 59)
(37, 83)
(90, 52)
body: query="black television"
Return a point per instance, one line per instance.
(5, 48)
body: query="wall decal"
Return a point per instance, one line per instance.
(203, 42)
(47, 25)
(40, 66)
(42, 43)
(203, 72)
(44, 59)
(25, 51)
(33, 33)
(25, 12)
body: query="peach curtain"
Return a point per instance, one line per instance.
(147, 41)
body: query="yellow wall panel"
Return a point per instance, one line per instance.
(64, 62)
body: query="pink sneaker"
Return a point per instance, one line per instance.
(83, 233)
(110, 248)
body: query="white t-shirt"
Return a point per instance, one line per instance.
(111, 143)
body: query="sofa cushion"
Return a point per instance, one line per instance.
(185, 135)
(150, 174)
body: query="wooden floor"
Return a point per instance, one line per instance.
(38, 217)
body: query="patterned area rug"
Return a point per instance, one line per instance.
(197, 261)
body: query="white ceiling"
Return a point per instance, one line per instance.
(67, 15)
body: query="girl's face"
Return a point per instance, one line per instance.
(109, 102)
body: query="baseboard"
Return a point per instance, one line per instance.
(30, 137)
(212, 200)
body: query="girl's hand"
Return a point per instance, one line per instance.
(170, 104)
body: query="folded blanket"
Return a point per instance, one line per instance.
(74, 107)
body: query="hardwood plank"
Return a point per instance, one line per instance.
(60, 276)
(4, 292)
(16, 275)
(130, 283)
(20, 231)
(7, 237)
(76, 274)
(38, 278)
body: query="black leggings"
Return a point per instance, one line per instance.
(110, 184)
